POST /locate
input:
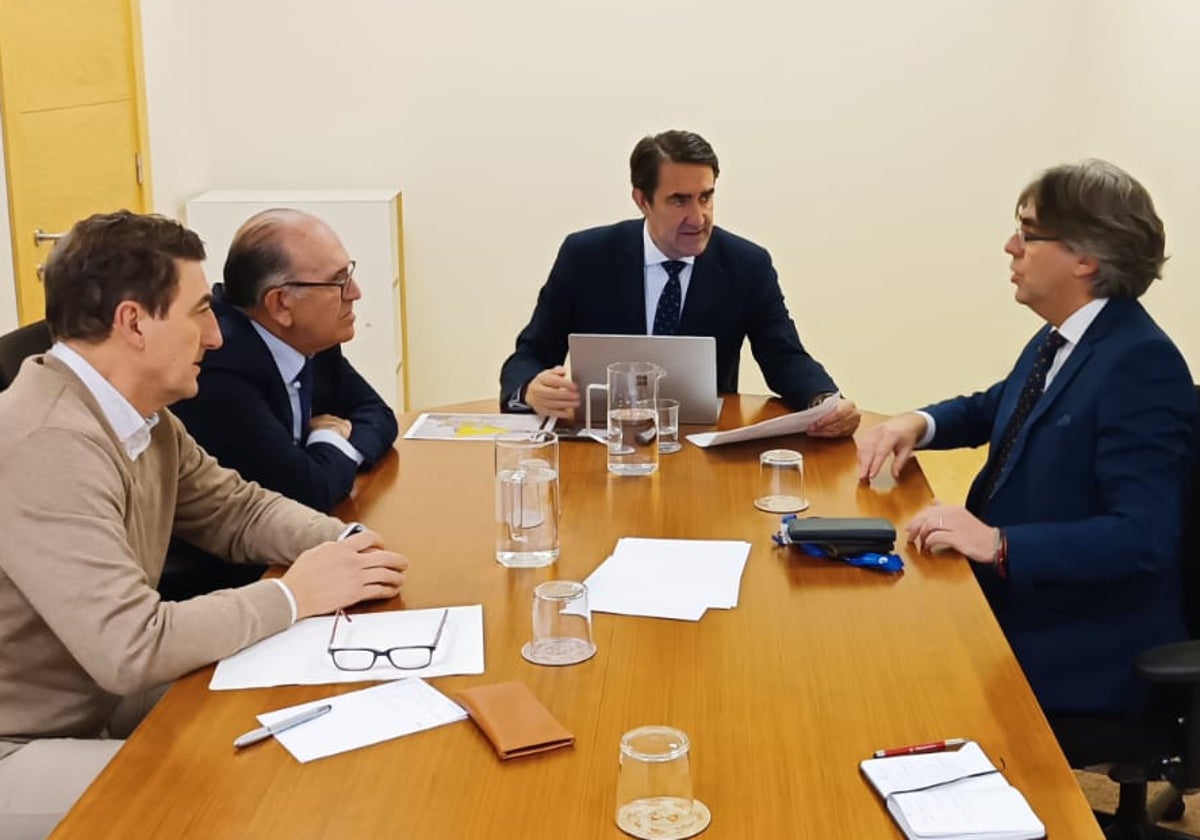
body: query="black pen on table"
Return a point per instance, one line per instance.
(265, 732)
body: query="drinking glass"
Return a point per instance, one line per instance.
(654, 788)
(781, 481)
(668, 426)
(562, 624)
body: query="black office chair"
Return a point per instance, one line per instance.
(19, 344)
(1174, 673)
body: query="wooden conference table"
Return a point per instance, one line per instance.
(819, 665)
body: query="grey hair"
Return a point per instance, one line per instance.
(1101, 211)
(257, 259)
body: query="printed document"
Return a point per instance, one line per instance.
(788, 424)
(299, 655)
(365, 717)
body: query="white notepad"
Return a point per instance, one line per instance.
(957, 794)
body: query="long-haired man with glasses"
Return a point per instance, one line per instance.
(279, 402)
(1074, 524)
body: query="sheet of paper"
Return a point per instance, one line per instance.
(473, 426)
(675, 579)
(298, 655)
(995, 809)
(907, 772)
(788, 424)
(366, 717)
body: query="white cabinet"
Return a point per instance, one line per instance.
(369, 223)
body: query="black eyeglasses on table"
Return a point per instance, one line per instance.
(404, 657)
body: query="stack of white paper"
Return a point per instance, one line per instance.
(677, 579)
(365, 717)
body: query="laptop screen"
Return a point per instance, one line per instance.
(690, 362)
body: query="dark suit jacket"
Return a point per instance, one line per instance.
(597, 285)
(1092, 503)
(242, 415)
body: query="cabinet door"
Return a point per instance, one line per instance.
(370, 230)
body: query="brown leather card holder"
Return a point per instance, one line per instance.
(513, 719)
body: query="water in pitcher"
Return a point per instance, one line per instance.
(527, 525)
(633, 441)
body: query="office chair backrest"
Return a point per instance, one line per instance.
(1189, 555)
(18, 345)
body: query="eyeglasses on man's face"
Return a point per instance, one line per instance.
(403, 657)
(341, 280)
(1024, 237)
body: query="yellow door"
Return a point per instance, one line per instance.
(74, 123)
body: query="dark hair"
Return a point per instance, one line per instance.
(675, 146)
(111, 257)
(257, 259)
(1101, 211)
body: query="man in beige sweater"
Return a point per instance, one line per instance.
(95, 477)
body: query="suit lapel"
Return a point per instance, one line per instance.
(702, 292)
(1070, 369)
(629, 281)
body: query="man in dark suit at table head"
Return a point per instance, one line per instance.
(1074, 524)
(279, 402)
(673, 272)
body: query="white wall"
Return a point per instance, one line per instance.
(875, 148)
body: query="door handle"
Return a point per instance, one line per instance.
(40, 236)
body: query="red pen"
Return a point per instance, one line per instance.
(917, 749)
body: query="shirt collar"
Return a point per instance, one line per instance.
(1078, 322)
(288, 360)
(130, 427)
(653, 255)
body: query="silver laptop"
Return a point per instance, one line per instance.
(689, 360)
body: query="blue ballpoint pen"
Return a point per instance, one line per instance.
(264, 732)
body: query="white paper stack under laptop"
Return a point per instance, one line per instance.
(677, 579)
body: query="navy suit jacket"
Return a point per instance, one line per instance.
(242, 415)
(1092, 502)
(597, 285)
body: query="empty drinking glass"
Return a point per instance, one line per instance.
(781, 481)
(562, 624)
(654, 788)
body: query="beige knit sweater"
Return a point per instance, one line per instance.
(83, 536)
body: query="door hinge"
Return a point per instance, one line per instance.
(137, 161)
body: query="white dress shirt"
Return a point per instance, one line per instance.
(289, 361)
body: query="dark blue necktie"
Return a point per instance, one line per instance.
(304, 379)
(666, 316)
(1034, 386)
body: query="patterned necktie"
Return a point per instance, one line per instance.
(304, 379)
(1034, 385)
(666, 317)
